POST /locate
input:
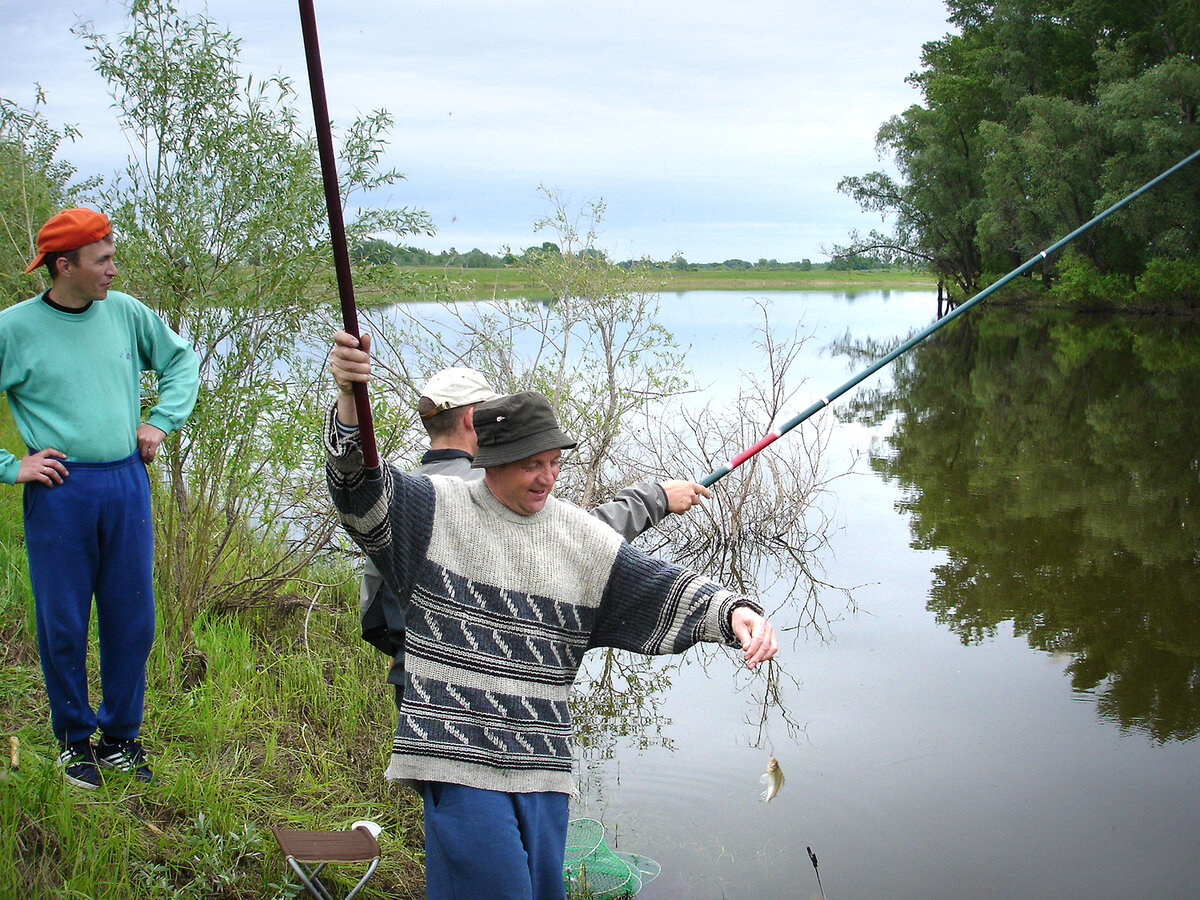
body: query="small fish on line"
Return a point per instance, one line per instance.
(773, 779)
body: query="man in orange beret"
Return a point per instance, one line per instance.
(71, 360)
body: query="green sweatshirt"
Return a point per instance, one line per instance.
(74, 379)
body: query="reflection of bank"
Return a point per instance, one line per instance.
(617, 697)
(1053, 456)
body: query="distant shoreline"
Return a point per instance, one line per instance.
(794, 279)
(480, 283)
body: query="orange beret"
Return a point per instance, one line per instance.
(69, 230)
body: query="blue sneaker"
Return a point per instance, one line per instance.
(79, 764)
(124, 756)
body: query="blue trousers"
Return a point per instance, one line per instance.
(494, 845)
(93, 536)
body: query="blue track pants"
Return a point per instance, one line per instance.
(489, 844)
(93, 536)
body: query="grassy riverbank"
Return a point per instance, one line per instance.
(796, 280)
(479, 283)
(286, 722)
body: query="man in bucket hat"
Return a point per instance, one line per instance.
(446, 408)
(505, 588)
(71, 360)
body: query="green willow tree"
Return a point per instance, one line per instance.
(1036, 117)
(34, 184)
(222, 229)
(1040, 179)
(1150, 117)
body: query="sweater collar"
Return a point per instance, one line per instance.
(485, 499)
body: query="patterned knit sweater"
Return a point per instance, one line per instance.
(500, 610)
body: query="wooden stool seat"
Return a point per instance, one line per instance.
(319, 848)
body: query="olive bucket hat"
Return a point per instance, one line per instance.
(514, 427)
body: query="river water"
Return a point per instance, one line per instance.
(1011, 708)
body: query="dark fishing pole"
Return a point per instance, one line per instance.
(722, 471)
(337, 228)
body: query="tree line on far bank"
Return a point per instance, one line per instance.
(379, 252)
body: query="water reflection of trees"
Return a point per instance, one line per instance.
(1054, 457)
(618, 698)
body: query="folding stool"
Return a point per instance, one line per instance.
(320, 848)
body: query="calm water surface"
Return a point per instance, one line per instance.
(1012, 710)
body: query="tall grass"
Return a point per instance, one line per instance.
(281, 719)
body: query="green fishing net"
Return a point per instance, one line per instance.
(591, 870)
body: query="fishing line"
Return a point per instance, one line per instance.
(778, 432)
(770, 698)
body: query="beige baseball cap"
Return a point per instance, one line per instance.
(451, 388)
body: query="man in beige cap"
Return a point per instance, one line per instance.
(71, 361)
(504, 588)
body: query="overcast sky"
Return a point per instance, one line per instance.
(711, 129)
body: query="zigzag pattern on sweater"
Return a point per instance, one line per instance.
(492, 648)
(483, 629)
(487, 728)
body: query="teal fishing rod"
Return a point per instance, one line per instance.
(719, 473)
